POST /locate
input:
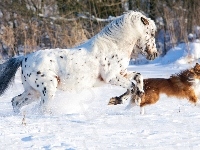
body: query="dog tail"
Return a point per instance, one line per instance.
(8, 71)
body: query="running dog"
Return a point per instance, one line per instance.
(185, 84)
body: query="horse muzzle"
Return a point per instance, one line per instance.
(152, 56)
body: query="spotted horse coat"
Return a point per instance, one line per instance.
(105, 57)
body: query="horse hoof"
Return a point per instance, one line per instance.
(112, 101)
(16, 110)
(115, 101)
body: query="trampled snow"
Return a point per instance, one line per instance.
(83, 120)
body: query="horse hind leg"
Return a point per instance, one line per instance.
(27, 97)
(47, 91)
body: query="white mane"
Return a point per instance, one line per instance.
(121, 33)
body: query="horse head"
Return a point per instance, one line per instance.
(146, 43)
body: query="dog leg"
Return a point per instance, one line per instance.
(142, 110)
(130, 105)
(193, 98)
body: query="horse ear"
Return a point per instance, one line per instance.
(144, 21)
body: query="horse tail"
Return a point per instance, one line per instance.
(8, 71)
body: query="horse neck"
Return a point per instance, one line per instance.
(114, 39)
(123, 42)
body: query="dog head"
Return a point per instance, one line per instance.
(196, 71)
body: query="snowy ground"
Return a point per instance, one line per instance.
(83, 120)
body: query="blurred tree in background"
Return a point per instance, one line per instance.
(29, 25)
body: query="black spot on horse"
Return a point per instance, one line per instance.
(61, 56)
(37, 85)
(22, 71)
(38, 72)
(25, 59)
(26, 99)
(135, 77)
(42, 75)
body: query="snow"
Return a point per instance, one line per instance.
(83, 120)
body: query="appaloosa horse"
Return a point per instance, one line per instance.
(104, 57)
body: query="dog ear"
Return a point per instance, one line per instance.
(144, 21)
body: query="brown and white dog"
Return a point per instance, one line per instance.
(185, 84)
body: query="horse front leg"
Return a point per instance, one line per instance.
(120, 99)
(134, 84)
(137, 78)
